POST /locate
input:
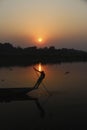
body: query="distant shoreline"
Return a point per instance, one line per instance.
(25, 64)
(15, 56)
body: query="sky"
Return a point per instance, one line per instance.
(59, 23)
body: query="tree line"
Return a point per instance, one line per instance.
(10, 55)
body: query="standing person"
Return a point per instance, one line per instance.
(42, 76)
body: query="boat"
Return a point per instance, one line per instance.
(15, 91)
(16, 95)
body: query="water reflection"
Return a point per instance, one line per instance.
(14, 96)
(39, 67)
(67, 105)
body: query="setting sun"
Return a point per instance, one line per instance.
(40, 39)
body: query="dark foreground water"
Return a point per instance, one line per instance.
(59, 103)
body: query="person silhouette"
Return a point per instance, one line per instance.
(42, 76)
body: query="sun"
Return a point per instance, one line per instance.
(40, 39)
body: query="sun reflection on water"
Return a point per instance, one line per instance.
(39, 67)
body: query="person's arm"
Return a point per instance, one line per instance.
(36, 70)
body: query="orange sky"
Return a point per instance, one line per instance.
(58, 23)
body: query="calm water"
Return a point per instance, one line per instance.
(59, 103)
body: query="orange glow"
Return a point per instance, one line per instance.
(40, 39)
(39, 67)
